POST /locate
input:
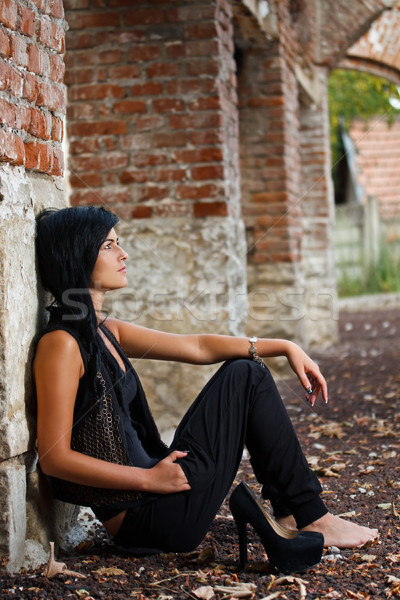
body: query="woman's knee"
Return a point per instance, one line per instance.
(243, 368)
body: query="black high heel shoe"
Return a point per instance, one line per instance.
(287, 550)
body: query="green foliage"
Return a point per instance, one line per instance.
(356, 94)
(382, 277)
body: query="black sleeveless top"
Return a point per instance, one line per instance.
(117, 427)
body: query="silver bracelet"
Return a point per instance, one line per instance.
(253, 352)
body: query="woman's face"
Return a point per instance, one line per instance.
(109, 272)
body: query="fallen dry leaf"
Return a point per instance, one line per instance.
(205, 592)
(339, 466)
(84, 594)
(330, 429)
(207, 555)
(366, 470)
(357, 595)
(109, 571)
(365, 558)
(381, 428)
(313, 461)
(302, 591)
(237, 590)
(54, 568)
(393, 557)
(389, 454)
(395, 589)
(272, 596)
(297, 580)
(289, 579)
(332, 471)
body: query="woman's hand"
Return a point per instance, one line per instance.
(167, 476)
(308, 372)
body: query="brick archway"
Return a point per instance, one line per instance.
(378, 50)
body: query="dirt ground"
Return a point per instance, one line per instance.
(352, 443)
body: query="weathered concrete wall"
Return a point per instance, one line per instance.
(21, 314)
(184, 277)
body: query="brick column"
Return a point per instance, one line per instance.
(32, 107)
(270, 169)
(153, 134)
(318, 219)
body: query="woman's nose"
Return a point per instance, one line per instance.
(124, 254)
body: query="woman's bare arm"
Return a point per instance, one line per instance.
(57, 368)
(140, 342)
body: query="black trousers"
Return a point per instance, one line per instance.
(240, 405)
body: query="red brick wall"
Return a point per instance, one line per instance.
(31, 73)
(152, 115)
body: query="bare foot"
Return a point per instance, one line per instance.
(341, 533)
(288, 522)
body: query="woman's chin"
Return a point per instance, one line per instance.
(118, 286)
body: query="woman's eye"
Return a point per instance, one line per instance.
(107, 247)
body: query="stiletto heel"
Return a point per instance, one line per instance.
(287, 550)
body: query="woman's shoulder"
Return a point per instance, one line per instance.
(114, 325)
(54, 337)
(59, 345)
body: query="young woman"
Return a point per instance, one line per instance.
(99, 445)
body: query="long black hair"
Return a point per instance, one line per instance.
(67, 245)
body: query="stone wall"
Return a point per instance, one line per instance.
(24, 522)
(32, 107)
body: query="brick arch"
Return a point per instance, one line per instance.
(371, 67)
(378, 50)
(341, 24)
